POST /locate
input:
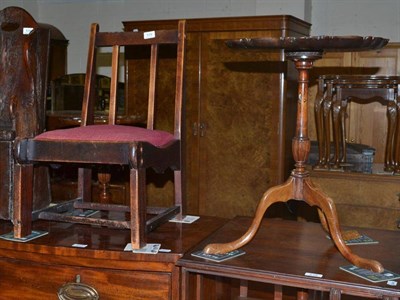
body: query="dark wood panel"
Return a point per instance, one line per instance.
(240, 145)
(363, 200)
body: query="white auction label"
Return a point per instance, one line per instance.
(149, 35)
(313, 275)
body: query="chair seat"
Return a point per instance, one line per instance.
(109, 133)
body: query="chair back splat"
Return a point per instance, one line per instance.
(135, 147)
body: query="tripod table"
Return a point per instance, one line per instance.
(303, 51)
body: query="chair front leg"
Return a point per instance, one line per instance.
(138, 207)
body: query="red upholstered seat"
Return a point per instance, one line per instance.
(109, 133)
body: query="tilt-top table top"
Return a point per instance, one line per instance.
(312, 43)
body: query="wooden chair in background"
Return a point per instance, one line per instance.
(24, 47)
(334, 94)
(106, 145)
(364, 89)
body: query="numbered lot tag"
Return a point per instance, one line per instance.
(149, 35)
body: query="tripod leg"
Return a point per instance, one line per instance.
(280, 193)
(315, 197)
(323, 221)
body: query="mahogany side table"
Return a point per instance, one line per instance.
(289, 269)
(303, 51)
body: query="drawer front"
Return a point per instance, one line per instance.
(26, 280)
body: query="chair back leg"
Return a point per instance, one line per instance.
(85, 184)
(23, 200)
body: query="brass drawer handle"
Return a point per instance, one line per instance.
(77, 291)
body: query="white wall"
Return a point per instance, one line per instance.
(329, 17)
(73, 17)
(357, 17)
